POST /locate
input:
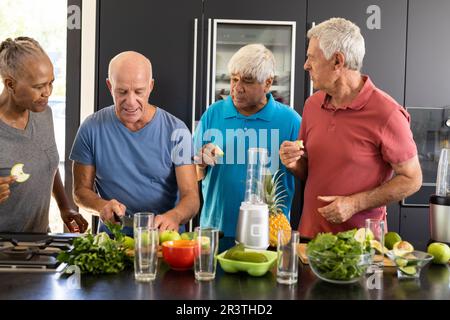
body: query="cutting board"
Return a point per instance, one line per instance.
(301, 251)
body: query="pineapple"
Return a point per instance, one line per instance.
(274, 198)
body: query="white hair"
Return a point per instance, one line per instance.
(253, 60)
(340, 35)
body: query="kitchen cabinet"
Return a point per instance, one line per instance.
(414, 227)
(268, 22)
(167, 32)
(428, 48)
(428, 101)
(383, 25)
(393, 217)
(178, 38)
(427, 86)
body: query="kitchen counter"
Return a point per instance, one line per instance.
(433, 284)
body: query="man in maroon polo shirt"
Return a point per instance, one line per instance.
(359, 153)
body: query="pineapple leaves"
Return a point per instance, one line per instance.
(274, 191)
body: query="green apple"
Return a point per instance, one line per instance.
(188, 235)
(128, 242)
(440, 252)
(17, 171)
(168, 235)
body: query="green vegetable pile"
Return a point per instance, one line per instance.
(99, 254)
(338, 257)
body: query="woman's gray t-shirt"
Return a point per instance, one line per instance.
(27, 208)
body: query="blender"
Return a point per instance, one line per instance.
(253, 222)
(440, 202)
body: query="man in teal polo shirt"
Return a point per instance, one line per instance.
(248, 118)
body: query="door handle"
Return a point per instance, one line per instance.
(208, 65)
(311, 85)
(194, 74)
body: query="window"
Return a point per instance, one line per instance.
(45, 21)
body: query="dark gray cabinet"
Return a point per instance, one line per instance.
(162, 30)
(427, 83)
(383, 25)
(266, 10)
(414, 227)
(427, 87)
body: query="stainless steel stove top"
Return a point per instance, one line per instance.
(33, 252)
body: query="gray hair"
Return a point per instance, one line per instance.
(13, 53)
(253, 60)
(340, 35)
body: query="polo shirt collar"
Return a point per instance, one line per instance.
(265, 113)
(359, 102)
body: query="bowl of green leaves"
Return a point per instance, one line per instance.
(339, 258)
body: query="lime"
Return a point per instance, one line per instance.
(401, 262)
(300, 144)
(402, 248)
(408, 270)
(391, 238)
(440, 252)
(363, 234)
(205, 242)
(377, 246)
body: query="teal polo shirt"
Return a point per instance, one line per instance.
(223, 188)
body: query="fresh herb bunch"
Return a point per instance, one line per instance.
(98, 254)
(338, 257)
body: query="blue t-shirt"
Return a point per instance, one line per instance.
(135, 168)
(224, 185)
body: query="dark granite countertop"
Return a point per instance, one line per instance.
(433, 284)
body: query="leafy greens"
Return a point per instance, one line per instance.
(98, 254)
(337, 257)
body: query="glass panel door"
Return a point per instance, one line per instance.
(277, 36)
(431, 132)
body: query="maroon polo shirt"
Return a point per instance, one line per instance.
(350, 150)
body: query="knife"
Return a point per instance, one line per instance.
(126, 220)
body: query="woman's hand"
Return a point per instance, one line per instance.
(69, 216)
(4, 187)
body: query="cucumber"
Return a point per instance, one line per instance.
(255, 257)
(230, 253)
